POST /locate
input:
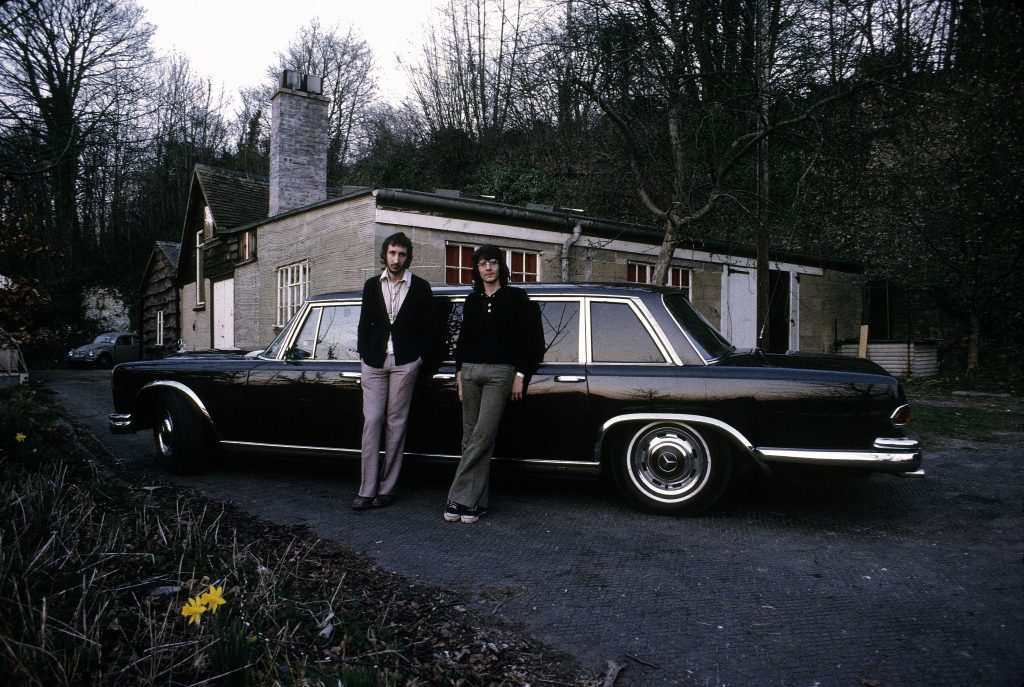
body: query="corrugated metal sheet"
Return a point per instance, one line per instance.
(901, 358)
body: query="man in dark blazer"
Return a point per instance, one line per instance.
(394, 334)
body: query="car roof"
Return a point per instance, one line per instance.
(549, 289)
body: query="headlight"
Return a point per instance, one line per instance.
(91, 354)
(71, 353)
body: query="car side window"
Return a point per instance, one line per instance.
(447, 322)
(123, 341)
(304, 343)
(618, 336)
(561, 320)
(339, 333)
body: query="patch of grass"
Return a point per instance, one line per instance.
(95, 572)
(982, 424)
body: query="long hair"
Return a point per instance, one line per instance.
(489, 252)
(401, 240)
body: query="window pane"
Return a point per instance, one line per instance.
(449, 314)
(303, 347)
(339, 334)
(620, 337)
(561, 331)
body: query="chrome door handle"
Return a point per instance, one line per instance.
(569, 378)
(352, 375)
(444, 375)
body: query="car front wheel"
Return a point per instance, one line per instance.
(179, 435)
(671, 467)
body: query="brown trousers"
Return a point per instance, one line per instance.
(387, 395)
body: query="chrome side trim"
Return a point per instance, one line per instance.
(582, 467)
(121, 423)
(288, 448)
(677, 417)
(178, 386)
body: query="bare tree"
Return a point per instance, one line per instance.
(469, 75)
(346, 63)
(71, 72)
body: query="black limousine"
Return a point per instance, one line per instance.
(634, 383)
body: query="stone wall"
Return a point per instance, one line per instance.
(298, 150)
(339, 241)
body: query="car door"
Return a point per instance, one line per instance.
(435, 418)
(312, 395)
(629, 368)
(549, 424)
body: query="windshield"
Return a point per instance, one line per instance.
(709, 343)
(104, 339)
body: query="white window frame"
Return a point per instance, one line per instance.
(247, 246)
(460, 266)
(646, 270)
(508, 252)
(200, 284)
(292, 289)
(159, 327)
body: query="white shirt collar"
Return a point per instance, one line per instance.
(406, 277)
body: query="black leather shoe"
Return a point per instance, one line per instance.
(383, 501)
(362, 503)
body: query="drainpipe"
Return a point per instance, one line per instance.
(569, 243)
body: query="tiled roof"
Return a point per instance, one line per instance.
(171, 250)
(235, 198)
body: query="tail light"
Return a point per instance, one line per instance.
(901, 416)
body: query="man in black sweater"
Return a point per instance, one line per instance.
(394, 333)
(500, 346)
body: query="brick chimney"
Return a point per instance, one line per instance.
(298, 143)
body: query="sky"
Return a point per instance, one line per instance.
(232, 42)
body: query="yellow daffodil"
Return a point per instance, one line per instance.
(20, 437)
(213, 598)
(192, 610)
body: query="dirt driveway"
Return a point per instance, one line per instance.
(805, 581)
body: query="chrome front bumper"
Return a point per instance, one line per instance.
(121, 423)
(888, 454)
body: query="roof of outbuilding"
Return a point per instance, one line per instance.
(170, 249)
(235, 198)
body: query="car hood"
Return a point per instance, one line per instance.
(90, 347)
(801, 361)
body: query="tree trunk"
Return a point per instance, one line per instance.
(972, 342)
(763, 172)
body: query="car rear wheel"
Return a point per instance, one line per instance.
(178, 435)
(671, 467)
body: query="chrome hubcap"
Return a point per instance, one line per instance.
(670, 463)
(165, 435)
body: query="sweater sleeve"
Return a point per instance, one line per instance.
(531, 344)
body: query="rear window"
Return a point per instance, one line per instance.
(710, 344)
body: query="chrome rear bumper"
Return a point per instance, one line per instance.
(887, 454)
